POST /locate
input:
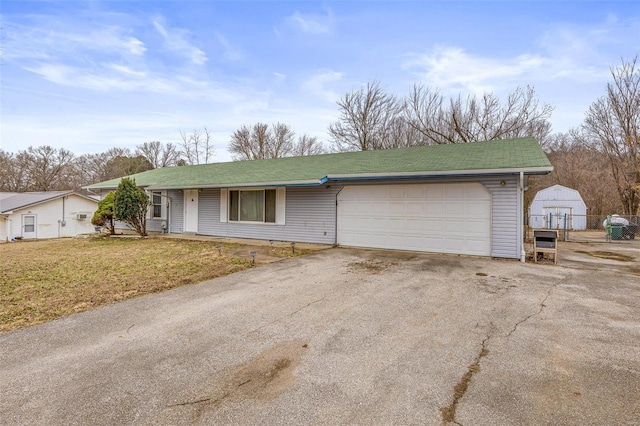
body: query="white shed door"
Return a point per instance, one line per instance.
(442, 218)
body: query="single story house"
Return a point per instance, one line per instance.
(556, 207)
(462, 198)
(50, 214)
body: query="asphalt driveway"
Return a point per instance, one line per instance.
(347, 336)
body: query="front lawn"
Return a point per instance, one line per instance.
(48, 279)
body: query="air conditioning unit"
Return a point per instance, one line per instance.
(82, 216)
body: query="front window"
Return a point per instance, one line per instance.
(156, 201)
(253, 205)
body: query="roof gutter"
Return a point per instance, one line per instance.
(310, 182)
(527, 170)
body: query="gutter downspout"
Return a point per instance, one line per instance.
(335, 238)
(61, 221)
(523, 254)
(169, 207)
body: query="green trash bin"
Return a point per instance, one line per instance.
(616, 232)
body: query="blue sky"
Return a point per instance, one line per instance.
(91, 75)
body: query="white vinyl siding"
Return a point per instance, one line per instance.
(176, 215)
(309, 212)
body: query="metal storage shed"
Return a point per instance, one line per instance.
(550, 205)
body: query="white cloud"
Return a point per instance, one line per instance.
(116, 77)
(312, 24)
(123, 69)
(579, 54)
(231, 53)
(317, 83)
(47, 41)
(100, 79)
(177, 41)
(451, 68)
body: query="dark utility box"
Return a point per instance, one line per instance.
(545, 242)
(545, 239)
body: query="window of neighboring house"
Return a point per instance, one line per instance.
(252, 205)
(156, 201)
(29, 224)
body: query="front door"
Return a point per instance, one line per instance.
(191, 210)
(28, 226)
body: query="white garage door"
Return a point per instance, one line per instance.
(442, 218)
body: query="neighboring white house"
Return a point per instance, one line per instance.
(550, 205)
(50, 214)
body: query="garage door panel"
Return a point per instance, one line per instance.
(414, 208)
(432, 227)
(449, 218)
(397, 192)
(434, 192)
(454, 192)
(434, 209)
(395, 208)
(414, 192)
(455, 209)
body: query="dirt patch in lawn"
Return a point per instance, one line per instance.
(48, 279)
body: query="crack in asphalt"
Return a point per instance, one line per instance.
(542, 306)
(199, 401)
(449, 413)
(287, 315)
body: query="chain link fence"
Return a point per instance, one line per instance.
(571, 227)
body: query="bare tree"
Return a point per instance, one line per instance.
(94, 168)
(281, 142)
(365, 118)
(197, 147)
(308, 145)
(13, 172)
(261, 141)
(159, 154)
(250, 143)
(45, 168)
(476, 119)
(612, 125)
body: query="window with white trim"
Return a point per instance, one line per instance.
(255, 205)
(252, 205)
(156, 205)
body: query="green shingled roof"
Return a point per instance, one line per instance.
(500, 156)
